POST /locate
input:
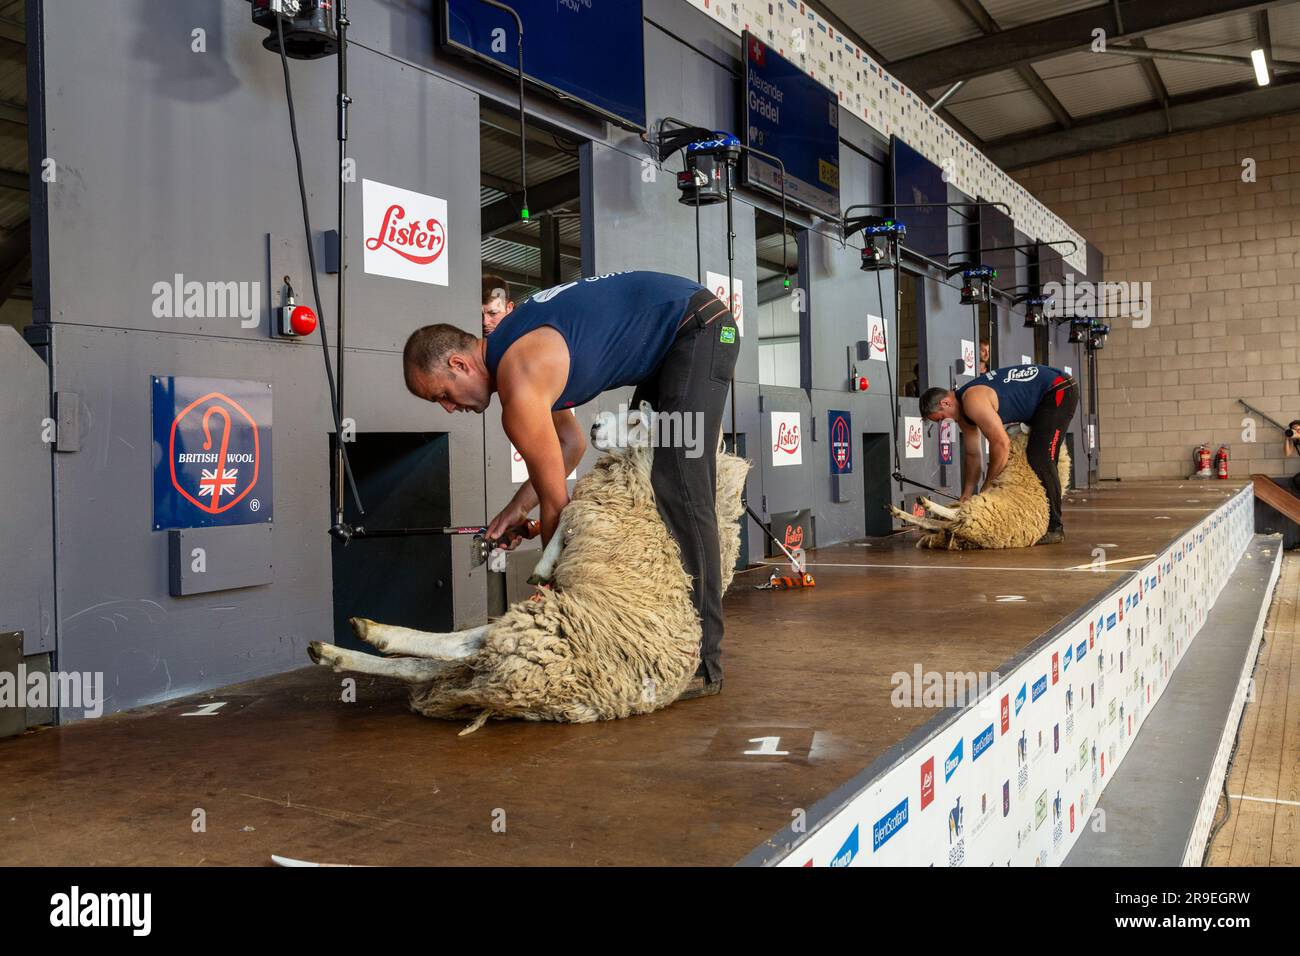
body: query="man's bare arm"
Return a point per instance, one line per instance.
(573, 443)
(530, 379)
(531, 427)
(971, 461)
(980, 411)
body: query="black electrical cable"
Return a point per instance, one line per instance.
(523, 133)
(341, 309)
(311, 260)
(889, 375)
(889, 378)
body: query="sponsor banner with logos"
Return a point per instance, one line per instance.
(211, 452)
(786, 439)
(840, 430)
(1023, 768)
(876, 336)
(405, 233)
(914, 436)
(717, 284)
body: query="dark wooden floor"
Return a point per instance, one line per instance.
(284, 767)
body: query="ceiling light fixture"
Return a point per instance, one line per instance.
(1261, 67)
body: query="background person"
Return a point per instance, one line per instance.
(1291, 446)
(496, 302)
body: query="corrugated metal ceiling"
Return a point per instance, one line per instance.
(1016, 13)
(999, 104)
(901, 30)
(1086, 84)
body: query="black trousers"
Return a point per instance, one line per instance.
(1047, 428)
(693, 381)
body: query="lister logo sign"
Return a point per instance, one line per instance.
(786, 445)
(914, 436)
(405, 233)
(876, 336)
(717, 283)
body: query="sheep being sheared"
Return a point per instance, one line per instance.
(1011, 513)
(616, 634)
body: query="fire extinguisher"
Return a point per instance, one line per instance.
(1221, 461)
(1203, 457)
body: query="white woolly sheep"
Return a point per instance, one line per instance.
(616, 635)
(1011, 513)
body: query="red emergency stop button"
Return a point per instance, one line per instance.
(303, 320)
(863, 384)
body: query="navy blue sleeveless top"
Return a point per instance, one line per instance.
(1020, 388)
(618, 328)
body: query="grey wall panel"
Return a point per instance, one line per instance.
(116, 616)
(26, 531)
(180, 163)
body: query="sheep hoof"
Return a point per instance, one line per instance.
(360, 626)
(314, 652)
(537, 580)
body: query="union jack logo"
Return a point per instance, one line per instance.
(212, 487)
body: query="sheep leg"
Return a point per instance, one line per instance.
(938, 510)
(545, 569)
(454, 646)
(408, 669)
(928, 524)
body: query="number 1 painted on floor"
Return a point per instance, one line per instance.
(767, 748)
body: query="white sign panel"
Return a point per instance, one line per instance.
(519, 470)
(914, 436)
(1026, 360)
(405, 233)
(1067, 370)
(876, 335)
(786, 439)
(968, 357)
(718, 286)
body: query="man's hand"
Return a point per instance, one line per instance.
(505, 529)
(966, 496)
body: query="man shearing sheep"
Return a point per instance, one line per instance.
(1041, 397)
(670, 337)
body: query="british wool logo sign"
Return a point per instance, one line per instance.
(211, 452)
(405, 233)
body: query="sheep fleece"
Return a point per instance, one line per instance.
(618, 634)
(1012, 513)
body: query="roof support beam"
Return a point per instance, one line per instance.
(1067, 33)
(982, 19)
(1264, 38)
